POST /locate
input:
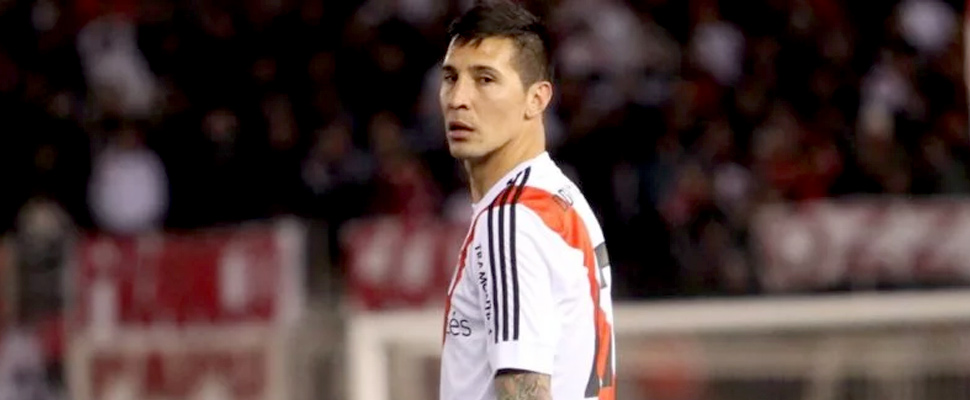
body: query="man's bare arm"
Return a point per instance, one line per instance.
(513, 384)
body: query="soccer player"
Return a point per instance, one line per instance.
(529, 311)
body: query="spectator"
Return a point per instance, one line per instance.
(43, 238)
(928, 25)
(717, 45)
(116, 71)
(403, 183)
(128, 191)
(336, 173)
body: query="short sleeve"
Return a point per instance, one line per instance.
(517, 297)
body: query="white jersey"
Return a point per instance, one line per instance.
(531, 291)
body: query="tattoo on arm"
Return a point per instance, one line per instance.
(522, 385)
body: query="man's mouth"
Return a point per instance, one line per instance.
(459, 130)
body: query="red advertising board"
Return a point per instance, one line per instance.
(240, 375)
(200, 278)
(244, 364)
(182, 315)
(863, 243)
(395, 262)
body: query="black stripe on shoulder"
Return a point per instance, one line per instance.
(512, 250)
(497, 310)
(501, 262)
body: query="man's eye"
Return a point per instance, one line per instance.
(450, 78)
(485, 79)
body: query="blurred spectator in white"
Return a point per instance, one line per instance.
(601, 37)
(733, 189)
(889, 86)
(23, 375)
(115, 69)
(717, 46)
(128, 190)
(927, 25)
(604, 49)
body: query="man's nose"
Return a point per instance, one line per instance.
(459, 94)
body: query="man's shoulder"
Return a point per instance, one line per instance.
(542, 195)
(551, 193)
(537, 209)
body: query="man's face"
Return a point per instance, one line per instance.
(482, 97)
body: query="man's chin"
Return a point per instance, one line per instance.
(462, 152)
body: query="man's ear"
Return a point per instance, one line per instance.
(538, 98)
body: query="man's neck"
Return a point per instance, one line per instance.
(485, 172)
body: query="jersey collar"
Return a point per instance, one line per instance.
(509, 177)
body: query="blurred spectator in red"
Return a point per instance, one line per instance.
(403, 185)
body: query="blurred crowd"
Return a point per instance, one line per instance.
(676, 117)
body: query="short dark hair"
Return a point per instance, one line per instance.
(503, 18)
